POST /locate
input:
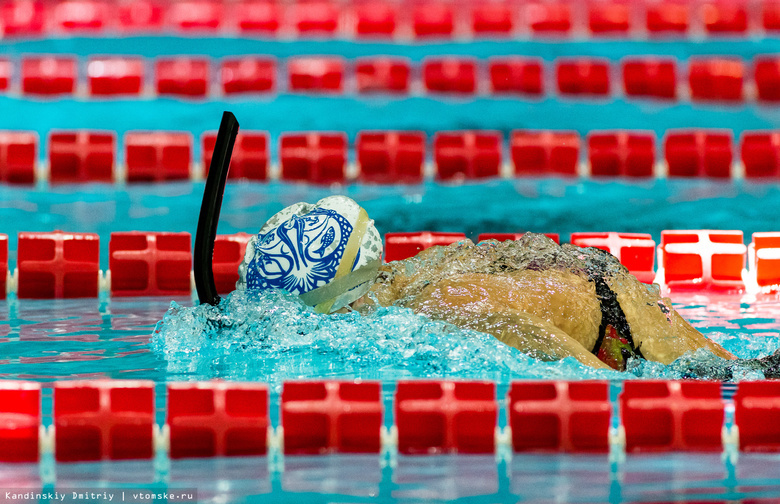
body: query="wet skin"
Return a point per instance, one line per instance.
(547, 312)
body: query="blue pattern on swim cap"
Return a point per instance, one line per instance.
(294, 256)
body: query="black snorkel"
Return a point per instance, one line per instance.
(209, 210)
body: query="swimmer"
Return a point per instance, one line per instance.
(547, 300)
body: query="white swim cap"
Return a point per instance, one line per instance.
(327, 253)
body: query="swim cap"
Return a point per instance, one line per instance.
(327, 253)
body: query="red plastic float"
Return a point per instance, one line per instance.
(6, 73)
(467, 154)
(513, 236)
(389, 156)
(698, 153)
(545, 152)
(549, 18)
(450, 75)
(58, 265)
(20, 420)
(766, 259)
(150, 264)
(317, 74)
(217, 419)
(22, 18)
(433, 19)
(258, 16)
(156, 156)
(611, 17)
(492, 19)
(382, 75)
(18, 155)
(761, 154)
(48, 76)
(767, 78)
(770, 15)
(248, 75)
(650, 77)
(636, 251)
(582, 77)
(703, 259)
(196, 15)
(667, 17)
(81, 156)
(672, 415)
(558, 416)
(717, 79)
(724, 17)
(140, 16)
(103, 419)
(115, 76)
(318, 158)
(229, 251)
(445, 416)
(621, 153)
(400, 246)
(91, 16)
(316, 17)
(250, 155)
(3, 264)
(516, 75)
(757, 415)
(375, 19)
(331, 417)
(182, 76)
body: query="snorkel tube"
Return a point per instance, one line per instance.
(209, 210)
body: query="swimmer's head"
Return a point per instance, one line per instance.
(327, 253)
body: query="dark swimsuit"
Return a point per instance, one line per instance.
(611, 315)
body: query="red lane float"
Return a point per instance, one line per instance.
(81, 156)
(545, 152)
(400, 246)
(196, 15)
(450, 75)
(433, 19)
(115, 76)
(18, 155)
(375, 19)
(559, 416)
(140, 16)
(717, 79)
(250, 155)
(761, 154)
(315, 17)
(698, 153)
(258, 17)
(514, 236)
(636, 251)
(765, 259)
(516, 75)
(48, 76)
(20, 420)
(724, 17)
(103, 419)
(316, 74)
(217, 419)
(229, 251)
(650, 77)
(22, 18)
(6, 73)
(492, 19)
(622, 153)
(667, 18)
(382, 75)
(150, 264)
(58, 265)
(445, 417)
(318, 158)
(82, 16)
(767, 77)
(549, 18)
(3, 265)
(582, 77)
(703, 259)
(609, 18)
(248, 75)
(157, 156)
(757, 415)
(331, 417)
(188, 77)
(390, 157)
(467, 154)
(770, 16)
(672, 415)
